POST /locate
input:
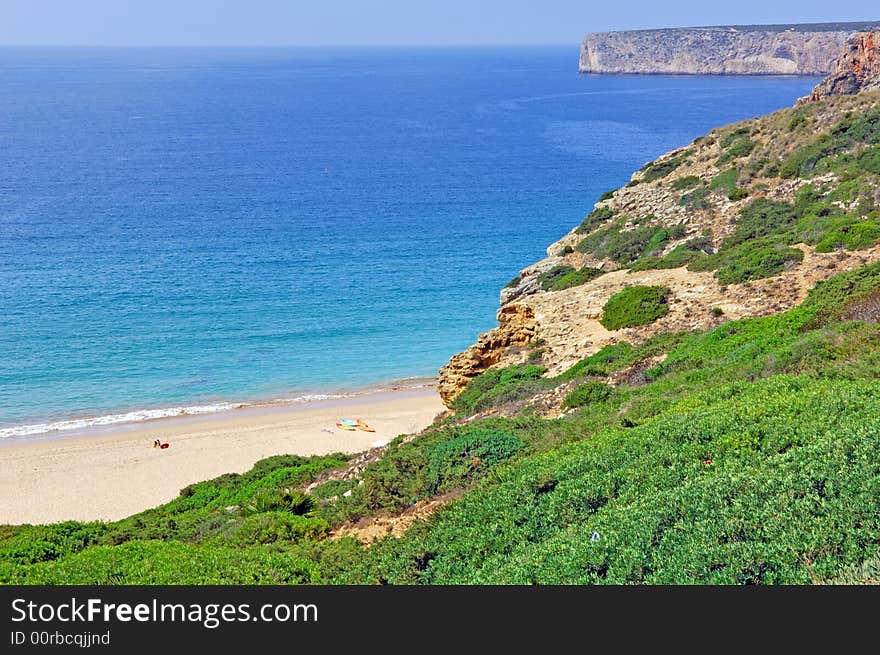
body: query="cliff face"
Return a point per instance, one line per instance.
(858, 69)
(771, 50)
(740, 223)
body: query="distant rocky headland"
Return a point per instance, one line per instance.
(805, 49)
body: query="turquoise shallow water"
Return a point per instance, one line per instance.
(187, 227)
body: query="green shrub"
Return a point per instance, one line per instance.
(831, 298)
(754, 263)
(725, 181)
(683, 254)
(733, 136)
(869, 160)
(550, 277)
(696, 199)
(575, 278)
(278, 500)
(864, 573)
(660, 238)
(610, 358)
(587, 394)
(497, 386)
(629, 245)
(658, 169)
(40, 543)
(456, 461)
(618, 356)
(740, 148)
(513, 283)
(737, 484)
(169, 563)
(760, 218)
(435, 462)
(802, 161)
(797, 119)
(607, 195)
(687, 182)
(273, 526)
(833, 150)
(636, 305)
(594, 219)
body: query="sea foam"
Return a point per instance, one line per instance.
(136, 416)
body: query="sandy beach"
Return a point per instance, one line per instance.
(116, 473)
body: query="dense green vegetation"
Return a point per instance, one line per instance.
(834, 151)
(740, 148)
(551, 276)
(725, 180)
(682, 254)
(686, 182)
(627, 246)
(657, 169)
(594, 219)
(563, 276)
(586, 393)
(748, 455)
(497, 386)
(636, 305)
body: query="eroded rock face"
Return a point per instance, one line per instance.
(758, 50)
(516, 328)
(857, 69)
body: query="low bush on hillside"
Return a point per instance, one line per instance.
(497, 386)
(740, 148)
(686, 182)
(682, 255)
(594, 219)
(587, 393)
(725, 181)
(575, 278)
(618, 356)
(627, 246)
(434, 463)
(551, 276)
(746, 263)
(636, 305)
(658, 169)
(832, 152)
(696, 199)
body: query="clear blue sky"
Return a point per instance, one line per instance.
(382, 22)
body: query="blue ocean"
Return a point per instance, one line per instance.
(186, 228)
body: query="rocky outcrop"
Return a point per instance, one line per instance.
(516, 328)
(737, 50)
(857, 69)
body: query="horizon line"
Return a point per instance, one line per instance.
(295, 45)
